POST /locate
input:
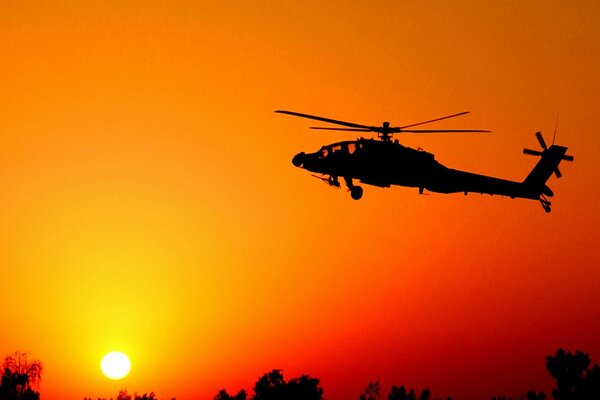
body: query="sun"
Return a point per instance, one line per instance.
(115, 365)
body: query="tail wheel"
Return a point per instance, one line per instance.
(356, 192)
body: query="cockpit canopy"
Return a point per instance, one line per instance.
(348, 147)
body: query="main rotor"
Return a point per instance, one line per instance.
(385, 131)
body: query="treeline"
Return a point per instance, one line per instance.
(575, 377)
(272, 386)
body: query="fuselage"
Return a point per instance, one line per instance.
(384, 164)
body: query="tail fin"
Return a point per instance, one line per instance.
(535, 183)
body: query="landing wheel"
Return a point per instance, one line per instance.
(545, 203)
(356, 192)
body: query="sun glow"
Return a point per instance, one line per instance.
(115, 365)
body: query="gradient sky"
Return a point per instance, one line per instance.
(149, 203)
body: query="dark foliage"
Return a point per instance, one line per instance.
(20, 378)
(400, 393)
(223, 395)
(272, 386)
(531, 395)
(371, 392)
(304, 388)
(574, 378)
(123, 395)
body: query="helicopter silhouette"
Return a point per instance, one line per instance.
(384, 162)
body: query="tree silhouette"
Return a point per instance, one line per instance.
(399, 393)
(123, 395)
(531, 395)
(574, 379)
(223, 395)
(272, 386)
(145, 396)
(20, 378)
(304, 388)
(591, 384)
(371, 392)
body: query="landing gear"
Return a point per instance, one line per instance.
(546, 205)
(356, 192)
(333, 181)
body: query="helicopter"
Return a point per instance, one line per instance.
(384, 162)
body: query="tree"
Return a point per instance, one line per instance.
(371, 392)
(532, 395)
(399, 393)
(574, 379)
(304, 388)
(145, 396)
(270, 386)
(223, 395)
(591, 384)
(123, 395)
(20, 378)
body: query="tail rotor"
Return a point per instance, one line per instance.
(545, 150)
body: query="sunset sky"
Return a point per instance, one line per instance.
(149, 204)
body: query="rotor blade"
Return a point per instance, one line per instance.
(532, 152)
(557, 172)
(567, 157)
(341, 129)
(540, 139)
(331, 121)
(443, 131)
(433, 120)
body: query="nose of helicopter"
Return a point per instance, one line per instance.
(298, 159)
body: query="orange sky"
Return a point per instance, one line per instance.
(149, 203)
